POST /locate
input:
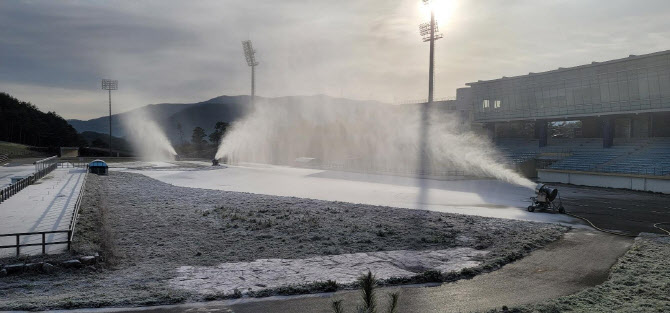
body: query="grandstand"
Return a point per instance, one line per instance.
(645, 156)
(651, 158)
(618, 110)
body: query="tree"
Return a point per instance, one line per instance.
(198, 137)
(219, 132)
(22, 122)
(181, 132)
(99, 143)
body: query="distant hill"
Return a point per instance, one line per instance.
(203, 114)
(23, 123)
(160, 111)
(100, 140)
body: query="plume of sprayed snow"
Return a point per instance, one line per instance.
(147, 138)
(371, 136)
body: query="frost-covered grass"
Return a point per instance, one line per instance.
(146, 229)
(638, 282)
(17, 150)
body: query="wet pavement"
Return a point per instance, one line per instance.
(616, 209)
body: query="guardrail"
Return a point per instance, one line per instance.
(42, 167)
(75, 212)
(73, 164)
(44, 243)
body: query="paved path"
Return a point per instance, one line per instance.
(44, 206)
(581, 259)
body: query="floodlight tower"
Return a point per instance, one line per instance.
(249, 54)
(109, 85)
(430, 32)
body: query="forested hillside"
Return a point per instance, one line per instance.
(21, 122)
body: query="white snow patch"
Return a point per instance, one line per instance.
(342, 268)
(7, 172)
(46, 205)
(481, 197)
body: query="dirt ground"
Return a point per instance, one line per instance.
(145, 229)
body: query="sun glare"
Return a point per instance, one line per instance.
(443, 10)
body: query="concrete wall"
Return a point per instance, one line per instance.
(528, 169)
(644, 183)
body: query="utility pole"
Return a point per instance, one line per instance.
(109, 85)
(249, 54)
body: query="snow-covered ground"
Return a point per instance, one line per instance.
(7, 172)
(44, 206)
(153, 231)
(343, 268)
(481, 197)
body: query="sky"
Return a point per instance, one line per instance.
(54, 53)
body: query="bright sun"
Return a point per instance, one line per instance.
(443, 10)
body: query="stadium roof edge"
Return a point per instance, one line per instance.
(564, 69)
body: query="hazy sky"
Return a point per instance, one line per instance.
(54, 53)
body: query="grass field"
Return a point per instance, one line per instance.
(14, 150)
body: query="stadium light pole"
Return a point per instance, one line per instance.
(430, 32)
(249, 54)
(109, 85)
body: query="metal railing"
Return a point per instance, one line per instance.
(73, 164)
(45, 163)
(44, 243)
(14, 188)
(75, 212)
(42, 168)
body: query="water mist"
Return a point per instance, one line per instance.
(376, 136)
(147, 138)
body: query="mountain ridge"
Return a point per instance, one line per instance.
(203, 114)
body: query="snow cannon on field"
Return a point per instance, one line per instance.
(215, 162)
(547, 199)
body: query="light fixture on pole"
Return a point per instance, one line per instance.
(249, 54)
(109, 85)
(430, 32)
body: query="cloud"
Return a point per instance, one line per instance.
(185, 51)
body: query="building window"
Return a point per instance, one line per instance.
(497, 103)
(485, 104)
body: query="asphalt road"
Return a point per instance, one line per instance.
(627, 211)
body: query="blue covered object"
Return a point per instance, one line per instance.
(98, 167)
